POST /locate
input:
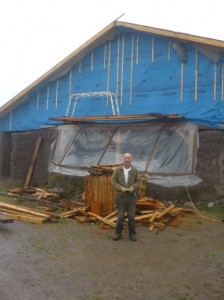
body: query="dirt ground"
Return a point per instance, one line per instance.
(68, 260)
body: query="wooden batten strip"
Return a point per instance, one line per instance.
(215, 81)
(222, 85)
(165, 211)
(56, 96)
(36, 220)
(34, 158)
(196, 76)
(102, 219)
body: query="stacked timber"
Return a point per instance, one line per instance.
(18, 212)
(149, 212)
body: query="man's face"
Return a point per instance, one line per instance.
(127, 159)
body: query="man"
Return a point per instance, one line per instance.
(125, 180)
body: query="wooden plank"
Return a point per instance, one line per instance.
(72, 212)
(151, 227)
(22, 209)
(153, 217)
(88, 190)
(33, 162)
(165, 211)
(111, 215)
(95, 188)
(102, 219)
(35, 220)
(139, 218)
(103, 194)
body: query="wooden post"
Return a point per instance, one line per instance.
(30, 172)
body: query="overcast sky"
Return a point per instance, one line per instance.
(37, 34)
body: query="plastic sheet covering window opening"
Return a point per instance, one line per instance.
(166, 152)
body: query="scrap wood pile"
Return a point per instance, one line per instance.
(38, 216)
(149, 212)
(44, 197)
(18, 212)
(49, 205)
(156, 215)
(103, 169)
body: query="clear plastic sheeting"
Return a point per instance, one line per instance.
(167, 153)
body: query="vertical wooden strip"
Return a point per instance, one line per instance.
(33, 162)
(196, 76)
(70, 84)
(108, 74)
(137, 42)
(47, 100)
(95, 188)
(88, 190)
(131, 68)
(215, 81)
(169, 51)
(37, 101)
(10, 121)
(103, 194)
(122, 71)
(182, 82)
(80, 66)
(105, 56)
(56, 98)
(153, 49)
(222, 92)
(91, 67)
(118, 64)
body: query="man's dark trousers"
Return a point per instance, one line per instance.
(125, 203)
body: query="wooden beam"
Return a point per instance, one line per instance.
(30, 172)
(102, 219)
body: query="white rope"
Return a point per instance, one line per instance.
(196, 210)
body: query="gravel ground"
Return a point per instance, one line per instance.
(68, 260)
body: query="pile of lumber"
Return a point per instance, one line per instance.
(149, 212)
(35, 192)
(103, 169)
(155, 214)
(44, 197)
(18, 212)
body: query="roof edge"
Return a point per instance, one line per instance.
(107, 33)
(173, 34)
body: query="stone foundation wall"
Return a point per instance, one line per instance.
(5, 153)
(210, 168)
(210, 165)
(23, 146)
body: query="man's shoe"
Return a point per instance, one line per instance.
(133, 237)
(117, 237)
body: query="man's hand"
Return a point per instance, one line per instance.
(123, 189)
(131, 189)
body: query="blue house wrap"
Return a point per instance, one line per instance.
(127, 69)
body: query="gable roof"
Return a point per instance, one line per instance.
(108, 33)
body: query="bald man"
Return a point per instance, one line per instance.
(125, 180)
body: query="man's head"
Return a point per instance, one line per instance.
(127, 160)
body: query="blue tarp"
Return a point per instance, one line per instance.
(143, 73)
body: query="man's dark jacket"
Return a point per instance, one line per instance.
(118, 180)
